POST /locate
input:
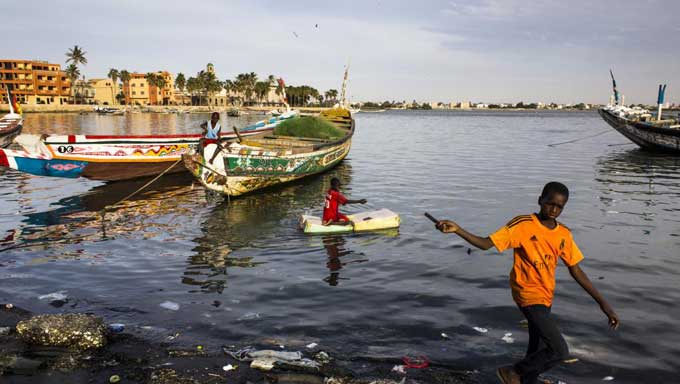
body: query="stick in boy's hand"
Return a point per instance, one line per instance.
(445, 226)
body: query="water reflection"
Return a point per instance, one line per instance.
(262, 220)
(78, 219)
(638, 176)
(336, 249)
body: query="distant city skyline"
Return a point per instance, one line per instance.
(433, 51)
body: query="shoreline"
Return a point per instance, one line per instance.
(81, 108)
(136, 360)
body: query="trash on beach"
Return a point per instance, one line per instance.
(170, 305)
(399, 369)
(229, 367)
(312, 345)
(5, 331)
(116, 327)
(508, 338)
(322, 357)
(114, 379)
(444, 335)
(608, 378)
(416, 362)
(570, 361)
(480, 329)
(265, 360)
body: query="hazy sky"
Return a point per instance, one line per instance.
(493, 50)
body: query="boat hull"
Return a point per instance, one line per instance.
(10, 127)
(645, 135)
(249, 172)
(111, 158)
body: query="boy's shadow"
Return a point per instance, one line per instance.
(335, 248)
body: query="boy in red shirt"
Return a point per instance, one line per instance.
(538, 241)
(331, 212)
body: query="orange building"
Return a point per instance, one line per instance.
(34, 82)
(138, 91)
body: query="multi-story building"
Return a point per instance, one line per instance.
(34, 82)
(138, 91)
(104, 91)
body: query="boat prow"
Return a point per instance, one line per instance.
(10, 127)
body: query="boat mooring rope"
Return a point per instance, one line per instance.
(103, 211)
(581, 138)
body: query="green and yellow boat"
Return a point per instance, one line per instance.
(242, 165)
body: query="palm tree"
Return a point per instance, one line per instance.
(180, 82)
(76, 56)
(161, 83)
(331, 94)
(152, 80)
(114, 74)
(73, 73)
(261, 89)
(125, 78)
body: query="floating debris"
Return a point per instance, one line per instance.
(229, 367)
(170, 305)
(444, 335)
(114, 379)
(508, 338)
(608, 378)
(54, 296)
(250, 316)
(480, 329)
(72, 330)
(312, 345)
(116, 327)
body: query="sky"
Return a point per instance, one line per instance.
(430, 51)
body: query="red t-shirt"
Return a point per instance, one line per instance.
(333, 201)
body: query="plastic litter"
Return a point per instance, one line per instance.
(444, 335)
(399, 369)
(170, 305)
(608, 378)
(9, 306)
(54, 296)
(322, 357)
(5, 331)
(229, 367)
(114, 379)
(508, 338)
(173, 337)
(570, 361)
(416, 362)
(116, 327)
(480, 329)
(199, 348)
(266, 359)
(312, 345)
(249, 316)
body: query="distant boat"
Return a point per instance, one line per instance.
(234, 112)
(266, 160)
(109, 158)
(642, 128)
(107, 110)
(10, 127)
(372, 110)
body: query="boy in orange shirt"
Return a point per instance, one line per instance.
(538, 241)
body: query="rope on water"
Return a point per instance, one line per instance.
(103, 211)
(581, 138)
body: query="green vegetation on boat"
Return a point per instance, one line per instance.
(310, 127)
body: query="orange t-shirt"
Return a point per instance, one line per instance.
(537, 249)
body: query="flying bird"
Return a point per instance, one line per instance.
(296, 35)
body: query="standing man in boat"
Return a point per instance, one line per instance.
(331, 211)
(211, 131)
(539, 241)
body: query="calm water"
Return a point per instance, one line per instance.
(243, 274)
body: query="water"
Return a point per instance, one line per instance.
(242, 273)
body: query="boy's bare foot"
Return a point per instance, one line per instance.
(507, 375)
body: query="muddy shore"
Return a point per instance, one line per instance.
(130, 359)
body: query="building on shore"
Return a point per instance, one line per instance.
(34, 82)
(104, 91)
(138, 91)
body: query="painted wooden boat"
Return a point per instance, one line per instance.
(111, 158)
(267, 160)
(10, 127)
(641, 128)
